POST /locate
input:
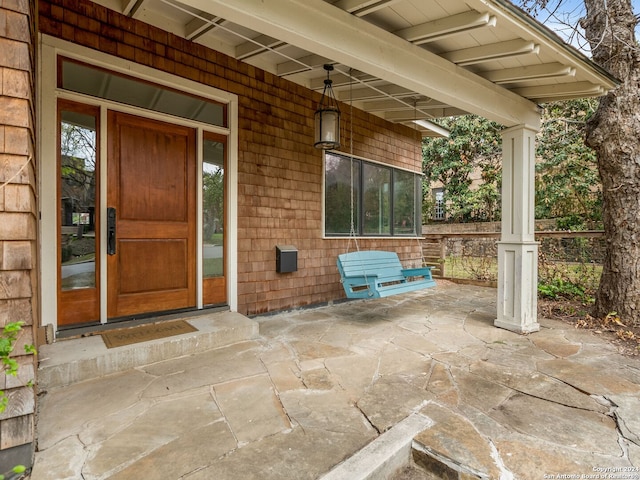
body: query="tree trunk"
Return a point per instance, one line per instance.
(614, 133)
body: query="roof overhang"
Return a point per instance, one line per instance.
(403, 60)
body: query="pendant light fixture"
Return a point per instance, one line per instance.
(327, 117)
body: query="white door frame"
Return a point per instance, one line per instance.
(48, 94)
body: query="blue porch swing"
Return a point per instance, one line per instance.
(376, 274)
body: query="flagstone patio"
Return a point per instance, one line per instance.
(421, 379)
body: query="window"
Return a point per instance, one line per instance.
(214, 199)
(213, 208)
(369, 198)
(78, 219)
(438, 209)
(77, 187)
(96, 82)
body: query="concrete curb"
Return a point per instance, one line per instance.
(385, 455)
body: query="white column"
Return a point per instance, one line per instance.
(517, 248)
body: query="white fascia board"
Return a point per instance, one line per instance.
(322, 29)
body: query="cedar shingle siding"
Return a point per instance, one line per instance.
(18, 225)
(280, 172)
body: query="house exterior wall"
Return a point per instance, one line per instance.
(280, 173)
(18, 214)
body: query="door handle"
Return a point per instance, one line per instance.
(111, 231)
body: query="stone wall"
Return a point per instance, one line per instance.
(479, 227)
(280, 172)
(18, 214)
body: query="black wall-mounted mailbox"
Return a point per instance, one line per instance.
(286, 258)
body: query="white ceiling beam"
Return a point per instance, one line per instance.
(389, 105)
(446, 27)
(512, 18)
(433, 129)
(404, 116)
(410, 115)
(569, 96)
(199, 26)
(546, 93)
(366, 93)
(447, 112)
(341, 80)
(259, 45)
(303, 64)
(533, 72)
(320, 28)
(360, 8)
(493, 51)
(131, 7)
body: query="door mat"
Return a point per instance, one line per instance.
(145, 333)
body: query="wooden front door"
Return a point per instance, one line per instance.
(151, 197)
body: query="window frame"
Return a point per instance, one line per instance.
(78, 305)
(359, 201)
(439, 210)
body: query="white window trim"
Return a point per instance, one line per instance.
(324, 186)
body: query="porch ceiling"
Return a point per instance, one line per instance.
(403, 60)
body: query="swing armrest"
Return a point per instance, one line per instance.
(359, 279)
(417, 272)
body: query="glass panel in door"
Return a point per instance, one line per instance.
(77, 217)
(213, 219)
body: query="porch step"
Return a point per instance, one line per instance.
(78, 359)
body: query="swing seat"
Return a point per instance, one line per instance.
(376, 274)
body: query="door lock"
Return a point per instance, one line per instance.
(111, 231)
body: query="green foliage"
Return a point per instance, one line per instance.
(8, 337)
(573, 222)
(567, 183)
(467, 164)
(482, 268)
(567, 270)
(561, 288)
(17, 470)
(7, 341)
(213, 202)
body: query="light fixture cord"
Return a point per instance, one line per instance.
(352, 232)
(418, 149)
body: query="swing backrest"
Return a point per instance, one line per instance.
(385, 266)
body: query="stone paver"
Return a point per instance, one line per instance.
(320, 384)
(456, 439)
(251, 408)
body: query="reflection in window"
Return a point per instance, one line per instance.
(377, 199)
(385, 200)
(213, 209)
(77, 200)
(404, 203)
(338, 194)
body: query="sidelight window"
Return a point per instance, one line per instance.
(78, 167)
